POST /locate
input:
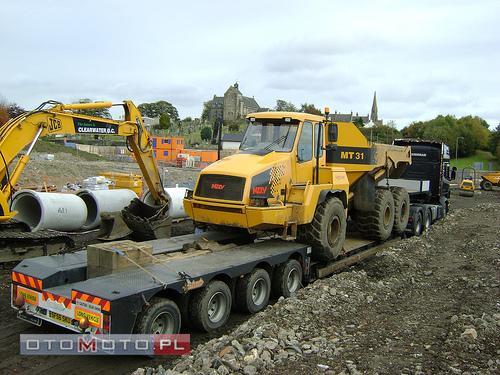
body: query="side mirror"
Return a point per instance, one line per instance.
(333, 132)
(453, 174)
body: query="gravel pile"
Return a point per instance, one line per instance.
(424, 305)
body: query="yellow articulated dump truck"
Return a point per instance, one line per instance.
(304, 176)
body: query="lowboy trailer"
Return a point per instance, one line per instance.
(197, 279)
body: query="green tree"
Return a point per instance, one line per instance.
(494, 141)
(381, 133)
(157, 108)
(359, 122)
(98, 112)
(206, 133)
(164, 121)
(206, 112)
(309, 108)
(284, 106)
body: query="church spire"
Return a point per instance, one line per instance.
(374, 114)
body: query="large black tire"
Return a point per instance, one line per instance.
(287, 279)
(210, 307)
(326, 232)
(401, 209)
(487, 185)
(377, 223)
(162, 316)
(253, 291)
(417, 224)
(427, 220)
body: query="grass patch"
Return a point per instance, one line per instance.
(54, 148)
(480, 156)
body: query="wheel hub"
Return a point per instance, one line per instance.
(217, 307)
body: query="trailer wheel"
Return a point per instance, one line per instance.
(377, 223)
(287, 279)
(326, 232)
(487, 185)
(162, 316)
(417, 224)
(401, 209)
(210, 307)
(252, 291)
(427, 220)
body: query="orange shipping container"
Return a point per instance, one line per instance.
(208, 156)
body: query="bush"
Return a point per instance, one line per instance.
(206, 133)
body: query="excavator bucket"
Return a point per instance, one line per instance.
(147, 222)
(113, 227)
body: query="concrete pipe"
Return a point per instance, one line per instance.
(99, 201)
(57, 211)
(176, 194)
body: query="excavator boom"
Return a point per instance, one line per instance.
(58, 118)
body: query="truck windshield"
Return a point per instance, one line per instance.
(270, 135)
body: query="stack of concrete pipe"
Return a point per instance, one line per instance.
(68, 212)
(81, 211)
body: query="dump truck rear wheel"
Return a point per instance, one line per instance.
(488, 185)
(377, 223)
(326, 233)
(252, 291)
(401, 209)
(287, 279)
(210, 307)
(162, 316)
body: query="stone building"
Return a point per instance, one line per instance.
(372, 118)
(232, 106)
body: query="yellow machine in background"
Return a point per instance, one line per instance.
(27, 128)
(467, 187)
(302, 175)
(489, 180)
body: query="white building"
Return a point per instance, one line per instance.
(231, 141)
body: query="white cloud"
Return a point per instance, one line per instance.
(422, 57)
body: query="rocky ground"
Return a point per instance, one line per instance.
(424, 305)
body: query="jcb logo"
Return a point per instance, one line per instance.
(259, 190)
(218, 186)
(54, 125)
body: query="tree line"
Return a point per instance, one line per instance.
(471, 132)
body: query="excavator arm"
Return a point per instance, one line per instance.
(24, 131)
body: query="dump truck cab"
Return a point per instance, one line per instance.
(262, 187)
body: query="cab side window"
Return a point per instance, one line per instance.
(305, 146)
(316, 140)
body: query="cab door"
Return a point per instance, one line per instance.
(304, 164)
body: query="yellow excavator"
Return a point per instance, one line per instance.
(303, 176)
(52, 118)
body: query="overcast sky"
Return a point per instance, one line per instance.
(423, 58)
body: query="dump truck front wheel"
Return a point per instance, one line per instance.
(377, 223)
(401, 209)
(161, 316)
(326, 232)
